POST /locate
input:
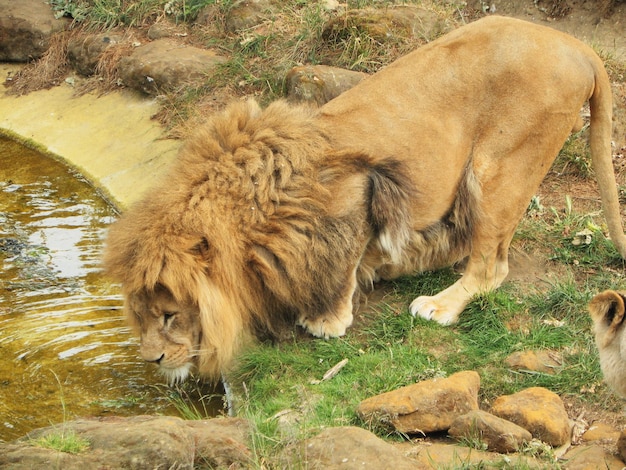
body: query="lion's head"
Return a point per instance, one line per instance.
(243, 237)
(607, 312)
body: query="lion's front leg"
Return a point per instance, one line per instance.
(334, 323)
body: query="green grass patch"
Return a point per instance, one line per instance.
(64, 440)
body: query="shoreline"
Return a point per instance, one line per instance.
(111, 140)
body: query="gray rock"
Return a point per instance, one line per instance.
(25, 29)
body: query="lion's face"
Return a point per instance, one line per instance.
(608, 314)
(170, 332)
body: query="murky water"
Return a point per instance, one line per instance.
(65, 350)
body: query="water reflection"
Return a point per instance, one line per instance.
(65, 350)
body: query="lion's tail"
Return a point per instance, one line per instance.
(600, 141)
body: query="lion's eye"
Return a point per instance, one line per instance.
(168, 317)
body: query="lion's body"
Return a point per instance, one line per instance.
(271, 217)
(607, 313)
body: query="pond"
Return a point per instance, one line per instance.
(65, 349)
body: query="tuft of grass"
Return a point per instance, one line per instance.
(62, 438)
(65, 440)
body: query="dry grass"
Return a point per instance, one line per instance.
(46, 72)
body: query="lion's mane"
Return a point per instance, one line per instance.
(241, 227)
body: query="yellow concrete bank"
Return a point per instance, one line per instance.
(110, 139)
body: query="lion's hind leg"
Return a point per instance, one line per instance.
(334, 323)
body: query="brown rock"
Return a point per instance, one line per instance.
(164, 65)
(547, 362)
(25, 29)
(346, 448)
(600, 432)
(499, 434)
(427, 406)
(439, 456)
(538, 410)
(320, 83)
(591, 458)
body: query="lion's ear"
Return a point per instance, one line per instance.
(607, 308)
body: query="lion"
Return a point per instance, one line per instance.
(607, 312)
(278, 217)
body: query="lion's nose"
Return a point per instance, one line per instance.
(156, 358)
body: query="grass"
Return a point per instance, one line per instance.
(62, 438)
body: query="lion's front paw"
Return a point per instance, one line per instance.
(329, 326)
(432, 308)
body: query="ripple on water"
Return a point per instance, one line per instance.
(65, 349)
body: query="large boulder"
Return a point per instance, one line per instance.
(140, 442)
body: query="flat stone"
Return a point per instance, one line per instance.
(320, 83)
(544, 361)
(538, 410)
(345, 448)
(498, 434)
(164, 65)
(600, 432)
(428, 406)
(139, 443)
(591, 458)
(25, 29)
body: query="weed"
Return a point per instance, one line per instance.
(62, 438)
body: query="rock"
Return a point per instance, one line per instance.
(345, 448)
(439, 456)
(427, 406)
(591, 458)
(500, 435)
(246, 14)
(600, 432)
(386, 24)
(621, 445)
(320, 83)
(85, 52)
(138, 442)
(547, 362)
(25, 29)
(164, 65)
(538, 410)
